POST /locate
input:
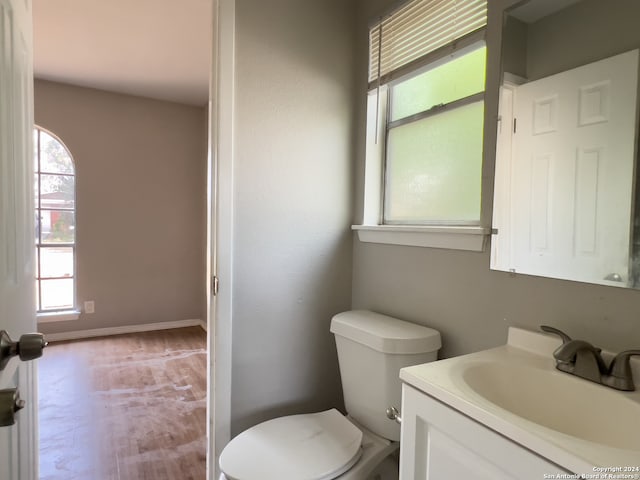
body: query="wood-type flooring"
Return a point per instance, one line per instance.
(126, 407)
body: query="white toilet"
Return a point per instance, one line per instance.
(372, 348)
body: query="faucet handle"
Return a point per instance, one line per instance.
(620, 375)
(565, 338)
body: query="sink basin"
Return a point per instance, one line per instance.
(516, 390)
(559, 401)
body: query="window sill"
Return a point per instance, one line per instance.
(454, 238)
(62, 316)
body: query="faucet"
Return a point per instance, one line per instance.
(583, 360)
(620, 376)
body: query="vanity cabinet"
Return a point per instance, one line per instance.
(440, 443)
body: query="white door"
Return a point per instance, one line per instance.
(573, 168)
(18, 443)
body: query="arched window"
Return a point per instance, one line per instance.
(55, 216)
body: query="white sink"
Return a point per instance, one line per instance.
(560, 402)
(516, 390)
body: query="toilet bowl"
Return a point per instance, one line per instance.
(316, 446)
(328, 445)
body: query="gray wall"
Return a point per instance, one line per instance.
(583, 33)
(293, 204)
(455, 291)
(141, 198)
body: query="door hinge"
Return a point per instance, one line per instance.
(515, 123)
(214, 285)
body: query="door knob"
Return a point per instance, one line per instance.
(10, 403)
(29, 347)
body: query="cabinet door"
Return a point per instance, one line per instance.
(439, 443)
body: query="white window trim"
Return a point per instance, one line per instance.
(471, 238)
(60, 316)
(454, 238)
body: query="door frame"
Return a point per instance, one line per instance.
(220, 232)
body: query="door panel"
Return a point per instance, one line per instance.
(18, 443)
(573, 168)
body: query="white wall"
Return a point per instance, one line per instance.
(292, 203)
(455, 291)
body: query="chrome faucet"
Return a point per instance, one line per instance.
(582, 359)
(620, 376)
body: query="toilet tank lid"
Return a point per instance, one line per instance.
(385, 334)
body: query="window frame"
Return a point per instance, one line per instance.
(452, 235)
(66, 312)
(430, 112)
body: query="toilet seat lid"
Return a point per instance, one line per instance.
(316, 446)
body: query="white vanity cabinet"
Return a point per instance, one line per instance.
(440, 443)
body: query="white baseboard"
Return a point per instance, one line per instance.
(103, 332)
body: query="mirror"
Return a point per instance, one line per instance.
(564, 198)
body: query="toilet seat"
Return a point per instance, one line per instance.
(316, 446)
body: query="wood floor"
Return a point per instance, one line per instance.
(127, 407)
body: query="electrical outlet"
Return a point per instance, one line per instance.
(89, 306)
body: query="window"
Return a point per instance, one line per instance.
(55, 219)
(427, 64)
(434, 129)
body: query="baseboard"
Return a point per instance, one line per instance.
(104, 332)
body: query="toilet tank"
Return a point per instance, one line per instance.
(372, 348)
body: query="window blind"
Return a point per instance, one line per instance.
(418, 28)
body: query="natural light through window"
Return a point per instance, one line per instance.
(425, 126)
(434, 144)
(55, 220)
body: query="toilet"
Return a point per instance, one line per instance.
(372, 348)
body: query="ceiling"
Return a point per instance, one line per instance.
(151, 48)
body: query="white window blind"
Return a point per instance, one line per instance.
(418, 28)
